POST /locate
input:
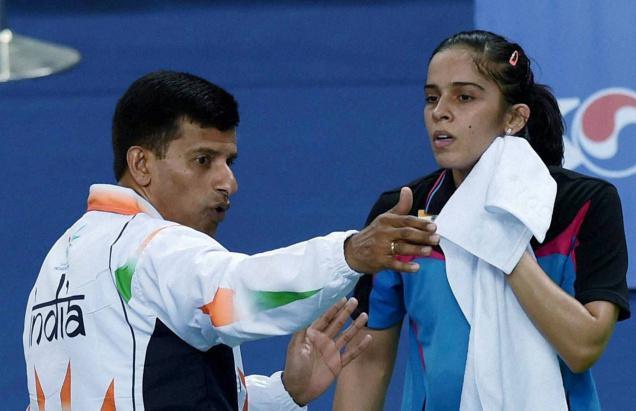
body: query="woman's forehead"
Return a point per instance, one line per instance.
(455, 65)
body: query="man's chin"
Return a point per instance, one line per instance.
(207, 228)
(211, 231)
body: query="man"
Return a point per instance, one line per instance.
(136, 305)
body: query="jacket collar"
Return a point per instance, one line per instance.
(116, 199)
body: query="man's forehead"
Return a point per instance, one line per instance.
(193, 135)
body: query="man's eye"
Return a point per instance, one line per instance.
(465, 97)
(203, 160)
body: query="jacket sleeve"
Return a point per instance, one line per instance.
(268, 393)
(208, 295)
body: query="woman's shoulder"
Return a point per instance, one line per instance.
(575, 189)
(420, 187)
(572, 180)
(582, 196)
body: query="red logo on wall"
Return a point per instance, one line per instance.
(597, 139)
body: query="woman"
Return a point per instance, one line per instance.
(480, 86)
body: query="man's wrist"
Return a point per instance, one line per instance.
(282, 379)
(349, 254)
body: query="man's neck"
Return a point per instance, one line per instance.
(127, 181)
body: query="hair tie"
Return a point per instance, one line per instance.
(514, 58)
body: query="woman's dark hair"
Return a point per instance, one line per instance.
(150, 111)
(508, 66)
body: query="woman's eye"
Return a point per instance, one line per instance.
(465, 97)
(431, 99)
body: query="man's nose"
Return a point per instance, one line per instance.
(226, 181)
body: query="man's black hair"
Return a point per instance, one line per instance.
(150, 111)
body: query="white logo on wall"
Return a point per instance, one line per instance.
(596, 140)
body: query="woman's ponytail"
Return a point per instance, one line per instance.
(545, 126)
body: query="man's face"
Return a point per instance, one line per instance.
(193, 182)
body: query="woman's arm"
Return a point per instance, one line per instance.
(363, 383)
(579, 333)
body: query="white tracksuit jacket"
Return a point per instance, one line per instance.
(132, 312)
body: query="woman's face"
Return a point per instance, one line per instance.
(464, 111)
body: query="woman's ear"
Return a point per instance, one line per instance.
(517, 118)
(139, 160)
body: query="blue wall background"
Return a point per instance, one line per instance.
(331, 99)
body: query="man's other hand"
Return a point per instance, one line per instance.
(316, 356)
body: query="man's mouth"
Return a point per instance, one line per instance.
(222, 208)
(219, 210)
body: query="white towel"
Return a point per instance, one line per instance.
(485, 227)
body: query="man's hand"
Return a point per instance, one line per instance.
(314, 355)
(392, 233)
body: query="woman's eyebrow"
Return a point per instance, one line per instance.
(455, 84)
(467, 83)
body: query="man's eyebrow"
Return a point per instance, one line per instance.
(212, 152)
(204, 150)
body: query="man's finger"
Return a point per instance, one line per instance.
(324, 320)
(352, 353)
(402, 266)
(341, 319)
(405, 203)
(298, 338)
(412, 250)
(414, 236)
(397, 220)
(351, 331)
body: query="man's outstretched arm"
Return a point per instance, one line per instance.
(208, 295)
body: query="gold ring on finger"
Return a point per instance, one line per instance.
(393, 247)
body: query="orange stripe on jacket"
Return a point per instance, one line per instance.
(221, 308)
(113, 203)
(150, 236)
(65, 392)
(244, 383)
(39, 392)
(109, 398)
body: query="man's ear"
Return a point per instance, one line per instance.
(139, 163)
(518, 117)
